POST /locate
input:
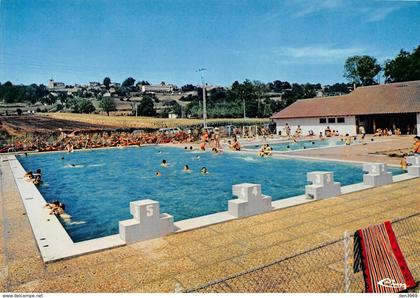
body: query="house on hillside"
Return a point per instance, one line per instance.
(390, 106)
(158, 88)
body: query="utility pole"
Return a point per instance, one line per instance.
(244, 107)
(201, 70)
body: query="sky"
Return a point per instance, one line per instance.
(77, 41)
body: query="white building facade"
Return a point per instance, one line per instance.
(418, 123)
(343, 124)
(393, 107)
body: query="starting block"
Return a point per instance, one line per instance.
(147, 222)
(413, 167)
(376, 174)
(250, 201)
(323, 185)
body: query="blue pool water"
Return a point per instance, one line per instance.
(98, 190)
(288, 146)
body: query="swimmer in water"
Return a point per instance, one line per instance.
(164, 163)
(37, 180)
(197, 157)
(158, 174)
(204, 170)
(159, 152)
(187, 169)
(57, 208)
(191, 147)
(62, 157)
(28, 175)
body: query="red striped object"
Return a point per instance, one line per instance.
(384, 266)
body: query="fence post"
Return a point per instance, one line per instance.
(347, 268)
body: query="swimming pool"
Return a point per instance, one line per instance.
(310, 144)
(97, 191)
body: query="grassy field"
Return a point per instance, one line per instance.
(150, 122)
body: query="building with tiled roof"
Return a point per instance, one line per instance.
(388, 106)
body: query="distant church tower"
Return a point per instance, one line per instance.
(51, 83)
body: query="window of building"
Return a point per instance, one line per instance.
(340, 120)
(331, 120)
(322, 120)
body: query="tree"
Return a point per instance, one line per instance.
(128, 82)
(361, 70)
(146, 107)
(188, 88)
(86, 106)
(81, 105)
(107, 105)
(277, 86)
(405, 67)
(107, 82)
(260, 90)
(338, 88)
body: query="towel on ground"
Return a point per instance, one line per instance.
(377, 253)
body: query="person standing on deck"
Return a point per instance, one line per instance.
(287, 129)
(416, 145)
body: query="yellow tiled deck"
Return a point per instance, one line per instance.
(192, 258)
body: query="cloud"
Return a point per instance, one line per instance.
(379, 14)
(371, 11)
(313, 54)
(305, 8)
(321, 53)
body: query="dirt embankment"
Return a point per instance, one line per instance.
(19, 125)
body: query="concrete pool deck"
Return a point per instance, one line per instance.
(358, 152)
(192, 258)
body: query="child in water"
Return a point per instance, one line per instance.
(158, 174)
(204, 170)
(164, 163)
(187, 169)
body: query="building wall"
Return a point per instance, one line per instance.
(307, 124)
(156, 88)
(418, 124)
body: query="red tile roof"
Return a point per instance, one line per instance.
(380, 99)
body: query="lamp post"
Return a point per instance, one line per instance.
(201, 70)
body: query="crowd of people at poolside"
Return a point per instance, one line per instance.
(79, 140)
(212, 139)
(328, 132)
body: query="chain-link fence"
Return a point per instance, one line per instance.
(326, 268)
